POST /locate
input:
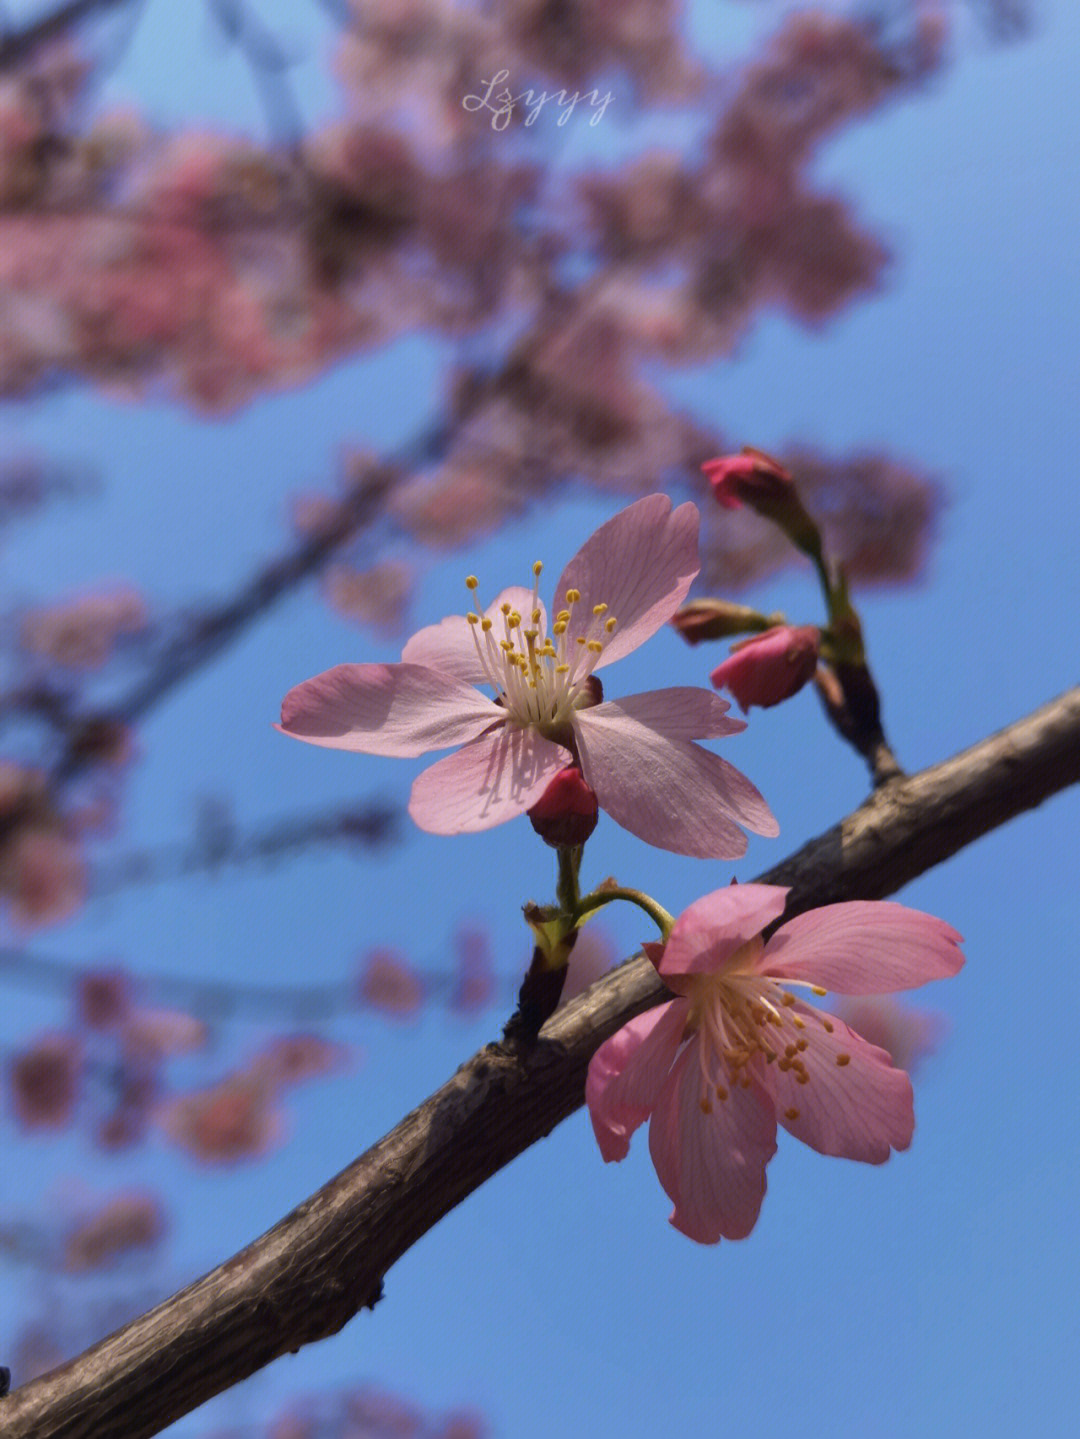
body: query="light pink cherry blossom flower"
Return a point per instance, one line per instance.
(637, 754)
(736, 1052)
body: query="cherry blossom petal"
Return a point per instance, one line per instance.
(399, 710)
(450, 646)
(681, 713)
(853, 1103)
(641, 564)
(711, 1160)
(708, 933)
(671, 793)
(627, 1073)
(863, 947)
(493, 779)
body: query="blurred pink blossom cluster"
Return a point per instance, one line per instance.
(368, 1412)
(107, 1072)
(131, 1220)
(42, 874)
(242, 1117)
(83, 632)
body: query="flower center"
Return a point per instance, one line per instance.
(743, 1015)
(540, 677)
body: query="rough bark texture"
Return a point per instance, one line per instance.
(310, 1274)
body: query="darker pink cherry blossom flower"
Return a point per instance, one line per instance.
(638, 754)
(770, 667)
(736, 1052)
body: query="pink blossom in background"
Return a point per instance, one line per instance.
(44, 1082)
(736, 1052)
(83, 632)
(389, 983)
(130, 1220)
(907, 1035)
(42, 875)
(592, 956)
(770, 667)
(152, 1035)
(475, 983)
(234, 1120)
(378, 597)
(638, 754)
(103, 998)
(292, 1058)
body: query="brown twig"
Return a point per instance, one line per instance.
(313, 1271)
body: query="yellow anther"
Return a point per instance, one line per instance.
(473, 619)
(843, 1059)
(599, 609)
(538, 565)
(787, 999)
(563, 615)
(485, 624)
(817, 989)
(506, 645)
(790, 1051)
(562, 669)
(537, 616)
(828, 1026)
(559, 627)
(802, 1045)
(504, 608)
(580, 640)
(797, 1022)
(784, 1065)
(802, 1077)
(572, 596)
(791, 1114)
(514, 619)
(610, 624)
(471, 582)
(594, 647)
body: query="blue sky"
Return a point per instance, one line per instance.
(934, 1295)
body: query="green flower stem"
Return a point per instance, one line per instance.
(567, 890)
(656, 912)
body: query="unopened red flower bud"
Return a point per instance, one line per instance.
(768, 668)
(752, 478)
(761, 483)
(566, 813)
(699, 620)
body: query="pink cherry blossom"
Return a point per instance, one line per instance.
(770, 667)
(637, 754)
(736, 1052)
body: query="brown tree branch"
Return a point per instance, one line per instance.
(313, 1271)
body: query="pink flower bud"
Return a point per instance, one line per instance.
(758, 481)
(566, 813)
(699, 620)
(768, 668)
(752, 478)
